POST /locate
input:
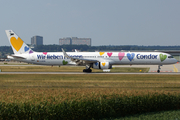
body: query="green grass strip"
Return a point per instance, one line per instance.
(164, 115)
(112, 106)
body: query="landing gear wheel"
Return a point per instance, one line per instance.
(158, 71)
(87, 70)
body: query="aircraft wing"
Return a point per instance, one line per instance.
(79, 61)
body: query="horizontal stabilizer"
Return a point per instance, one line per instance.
(15, 57)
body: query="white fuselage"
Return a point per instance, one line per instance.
(96, 60)
(114, 58)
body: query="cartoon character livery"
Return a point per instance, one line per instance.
(96, 60)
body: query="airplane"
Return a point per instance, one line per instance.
(96, 60)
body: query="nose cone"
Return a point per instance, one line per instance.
(175, 61)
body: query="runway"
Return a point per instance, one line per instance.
(101, 73)
(153, 68)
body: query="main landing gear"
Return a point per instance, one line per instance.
(158, 71)
(88, 70)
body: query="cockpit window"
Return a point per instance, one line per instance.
(170, 57)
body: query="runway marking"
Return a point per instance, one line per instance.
(175, 69)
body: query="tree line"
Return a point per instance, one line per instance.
(69, 48)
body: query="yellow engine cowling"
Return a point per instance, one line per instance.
(102, 65)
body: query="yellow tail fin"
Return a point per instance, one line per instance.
(17, 43)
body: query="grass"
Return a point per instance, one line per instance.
(165, 115)
(96, 106)
(161, 82)
(30, 68)
(59, 95)
(14, 85)
(28, 96)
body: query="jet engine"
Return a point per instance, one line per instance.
(101, 65)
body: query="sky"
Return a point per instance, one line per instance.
(106, 22)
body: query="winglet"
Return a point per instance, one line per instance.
(75, 50)
(65, 54)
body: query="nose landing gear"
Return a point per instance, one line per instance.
(158, 71)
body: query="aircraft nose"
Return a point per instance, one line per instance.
(175, 60)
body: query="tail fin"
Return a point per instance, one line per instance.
(17, 44)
